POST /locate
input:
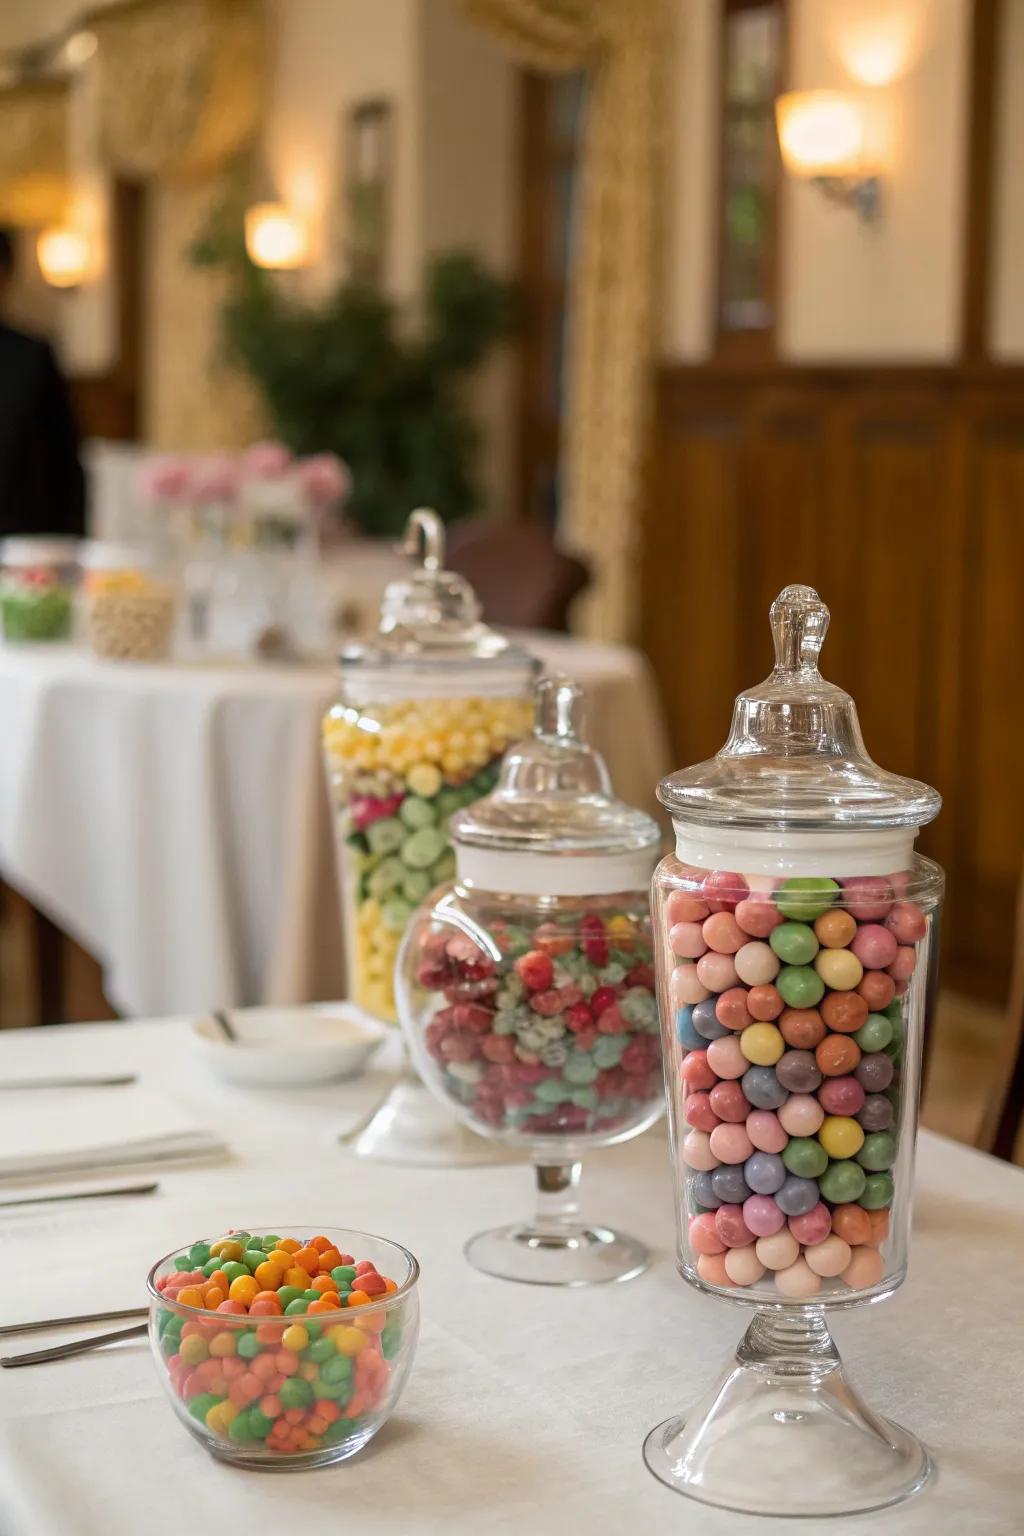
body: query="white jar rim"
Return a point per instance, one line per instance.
(883, 851)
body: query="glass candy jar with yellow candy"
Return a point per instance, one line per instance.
(426, 711)
(795, 931)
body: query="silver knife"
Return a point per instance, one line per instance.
(76, 1347)
(82, 1194)
(119, 1081)
(9, 1329)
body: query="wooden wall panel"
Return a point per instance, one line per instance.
(899, 494)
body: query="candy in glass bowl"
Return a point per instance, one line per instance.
(526, 987)
(37, 582)
(425, 713)
(278, 1352)
(794, 926)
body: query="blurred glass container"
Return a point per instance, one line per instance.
(128, 604)
(37, 584)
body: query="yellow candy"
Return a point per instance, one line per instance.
(193, 1350)
(244, 1288)
(620, 927)
(762, 1044)
(424, 779)
(226, 1249)
(295, 1338)
(838, 968)
(840, 1136)
(222, 1344)
(298, 1276)
(347, 1340)
(221, 1416)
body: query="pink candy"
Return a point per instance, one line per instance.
(729, 1102)
(698, 1112)
(685, 986)
(867, 897)
(722, 889)
(758, 915)
(725, 1058)
(902, 968)
(765, 1131)
(757, 963)
(801, 1115)
(731, 1144)
(731, 1227)
(841, 1096)
(907, 923)
(704, 1236)
(813, 1226)
(716, 972)
(683, 907)
(762, 1215)
(874, 946)
(687, 940)
(723, 933)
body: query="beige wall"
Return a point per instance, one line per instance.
(1006, 333)
(691, 193)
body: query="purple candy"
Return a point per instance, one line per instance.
(765, 1172)
(874, 1072)
(729, 1184)
(876, 1113)
(797, 1196)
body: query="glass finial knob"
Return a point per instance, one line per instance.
(423, 539)
(559, 709)
(799, 623)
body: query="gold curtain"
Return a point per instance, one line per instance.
(180, 83)
(33, 153)
(614, 282)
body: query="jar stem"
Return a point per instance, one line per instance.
(558, 1202)
(790, 1342)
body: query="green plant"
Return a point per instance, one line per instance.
(342, 375)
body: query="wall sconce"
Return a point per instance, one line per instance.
(822, 139)
(276, 237)
(63, 255)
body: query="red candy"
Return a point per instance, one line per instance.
(536, 969)
(722, 890)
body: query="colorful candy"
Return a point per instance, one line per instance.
(788, 1032)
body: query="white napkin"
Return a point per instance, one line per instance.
(47, 1132)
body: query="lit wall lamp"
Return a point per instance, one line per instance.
(822, 135)
(64, 256)
(276, 237)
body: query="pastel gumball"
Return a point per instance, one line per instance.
(879, 1227)
(765, 1130)
(798, 1281)
(906, 922)
(902, 968)
(686, 940)
(837, 1055)
(702, 1191)
(801, 1115)
(723, 889)
(875, 1114)
(798, 1072)
(723, 934)
(762, 1215)
(725, 1057)
(868, 898)
(838, 968)
(711, 1269)
(731, 1144)
(732, 1229)
(730, 1185)
(697, 1072)
(703, 1234)
(685, 986)
(797, 1195)
(758, 915)
(802, 1028)
(874, 1072)
(834, 929)
(877, 989)
(778, 1251)
(697, 1152)
(685, 907)
(844, 1011)
(874, 946)
(762, 1087)
(841, 1096)
(828, 1258)
(716, 972)
(757, 963)
(743, 1266)
(764, 1003)
(866, 1268)
(813, 1226)
(731, 1008)
(698, 1114)
(765, 1173)
(762, 1044)
(705, 1020)
(729, 1102)
(852, 1223)
(689, 1038)
(900, 989)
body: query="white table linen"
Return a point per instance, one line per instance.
(173, 819)
(526, 1407)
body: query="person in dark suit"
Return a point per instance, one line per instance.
(42, 488)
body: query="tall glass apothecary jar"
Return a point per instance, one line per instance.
(795, 929)
(526, 988)
(425, 713)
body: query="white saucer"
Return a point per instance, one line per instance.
(290, 1047)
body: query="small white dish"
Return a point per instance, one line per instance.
(289, 1047)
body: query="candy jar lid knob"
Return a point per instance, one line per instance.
(559, 709)
(799, 621)
(423, 539)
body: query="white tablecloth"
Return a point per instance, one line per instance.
(173, 819)
(526, 1408)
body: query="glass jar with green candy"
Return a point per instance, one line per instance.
(795, 931)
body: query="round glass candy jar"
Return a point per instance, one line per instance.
(526, 988)
(37, 577)
(794, 931)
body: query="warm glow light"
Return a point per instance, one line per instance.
(79, 48)
(877, 41)
(275, 236)
(63, 256)
(821, 133)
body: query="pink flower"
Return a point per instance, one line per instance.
(267, 461)
(217, 478)
(166, 479)
(325, 480)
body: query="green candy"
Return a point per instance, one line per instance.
(877, 1192)
(311, 1295)
(268, 1244)
(842, 1183)
(415, 886)
(338, 1369)
(878, 1152)
(296, 1392)
(296, 1308)
(390, 1339)
(385, 836)
(423, 848)
(234, 1270)
(259, 1425)
(805, 1158)
(794, 943)
(444, 869)
(395, 915)
(321, 1350)
(417, 813)
(239, 1429)
(585, 1098)
(241, 1237)
(340, 1430)
(580, 1070)
(806, 897)
(210, 1266)
(608, 1051)
(800, 986)
(199, 1253)
(183, 1262)
(169, 1344)
(344, 1274)
(313, 1329)
(552, 1091)
(387, 877)
(335, 1390)
(200, 1406)
(287, 1294)
(248, 1346)
(875, 1033)
(252, 1258)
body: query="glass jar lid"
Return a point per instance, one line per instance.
(795, 759)
(552, 824)
(430, 619)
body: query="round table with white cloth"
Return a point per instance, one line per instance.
(173, 818)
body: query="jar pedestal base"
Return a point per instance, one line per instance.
(574, 1255)
(784, 1433)
(411, 1127)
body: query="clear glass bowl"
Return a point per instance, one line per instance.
(229, 1399)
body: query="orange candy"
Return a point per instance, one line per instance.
(329, 1258)
(327, 1410)
(263, 1366)
(220, 1278)
(244, 1288)
(879, 1227)
(317, 1424)
(328, 1302)
(213, 1296)
(323, 1283)
(321, 1243)
(298, 1277)
(355, 1299)
(270, 1406)
(245, 1389)
(372, 1322)
(269, 1333)
(309, 1259)
(308, 1370)
(265, 1306)
(852, 1223)
(289, 1245)
(287, 1362)
(268, 1275)
(190, 1296)
(390, 1285)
